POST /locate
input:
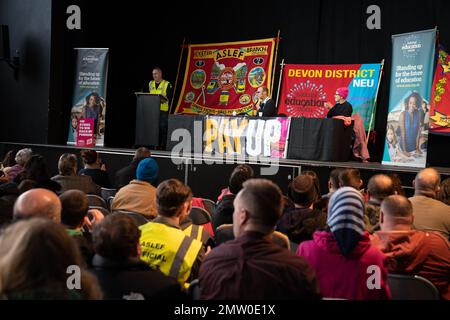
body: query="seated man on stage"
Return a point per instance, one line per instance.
(162, 87)
(265, 104)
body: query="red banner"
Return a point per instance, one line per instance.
(440, 97)
(222, 78)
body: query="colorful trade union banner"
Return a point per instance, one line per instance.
(439, 116)
(222, 78)
(89, 94)
(410, 92)
(246, 137)
(306, 88)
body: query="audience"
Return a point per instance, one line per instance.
(93, 168)
(223, 213)
(251, 266)
(122, 275)
(379, 187)
(9, 159)
(68, 178)
(35, 175)
(139, 195)
(342, 255)
(22, 156)
(429, 213)
(333, 182)
(128, 173)
(410, 251)
(8, 196)
(41, 203)
(397, 184)
(242, 167)
(164, 245)
(320, 203)
(299, 223)
(350, 178)
(444, 192)
(35, 256)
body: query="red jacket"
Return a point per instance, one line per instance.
(345, 277)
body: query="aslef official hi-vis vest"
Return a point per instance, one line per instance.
(197, 232)
(169, 249)
(162, 89)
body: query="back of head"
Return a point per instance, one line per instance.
(35, 255)
(302, 191)
(380, 186)
(75, 206)
(38, 203)
(263, 201)
(239, 175)
(427, 182)
(141, 153)
(10, 158)
(397, 183)
(23, 155)
(396, 207)
(346, 218)
(89, 156)
(170, 196)
(147, 170)
(350, 178)
(444, 192)
(334, 178)
(36, 169)
(67, 164)
(116, 237)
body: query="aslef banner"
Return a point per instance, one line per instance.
(410, 94)
(222, 78)
(89, 94)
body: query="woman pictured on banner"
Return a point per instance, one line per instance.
(93, 109)
(410, 123)
(73, 127)
(395, 154)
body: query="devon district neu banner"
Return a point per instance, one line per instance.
(306, 88)
(222, 78)
(409, 100)
(89, 97)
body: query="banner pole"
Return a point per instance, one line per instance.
(279, 82)
(178, 74)
(275, 62)
(375, 101)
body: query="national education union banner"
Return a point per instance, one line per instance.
(306, 89)
(439, 117)
(222, 78)
(409, 101)
(244, 136)
(89, 97)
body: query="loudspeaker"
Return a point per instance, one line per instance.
(4, 43)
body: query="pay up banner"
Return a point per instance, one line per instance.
(88, 102)
(250, 137)
(222, 78)
(306, 89)
(409, 100)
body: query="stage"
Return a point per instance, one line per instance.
(207, 175)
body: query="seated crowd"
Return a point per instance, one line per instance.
(255, 242)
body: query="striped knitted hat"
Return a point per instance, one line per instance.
(346, 218)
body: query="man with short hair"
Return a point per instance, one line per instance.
(333, 182)
(128, 173)
(40, 203)
(265, 104)
(164, 245)
(410, 251)
(68, 178)
(429, 213)
(120, 272)
(139, 195)
(379, 187)
(251, 266)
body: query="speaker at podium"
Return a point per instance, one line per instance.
(148, 119)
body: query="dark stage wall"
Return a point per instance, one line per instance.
(142, 34)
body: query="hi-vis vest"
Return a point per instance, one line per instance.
(169, 249)
(197, 232)
(162, 89)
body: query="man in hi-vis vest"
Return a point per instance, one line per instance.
(162, 87)
(164, 245)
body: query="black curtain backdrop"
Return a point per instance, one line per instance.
(142, 34)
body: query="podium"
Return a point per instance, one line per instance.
(147, 119)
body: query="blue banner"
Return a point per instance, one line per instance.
(410, 92)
